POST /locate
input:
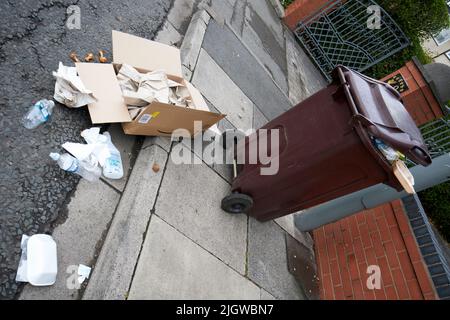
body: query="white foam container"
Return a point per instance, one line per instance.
(42, 265)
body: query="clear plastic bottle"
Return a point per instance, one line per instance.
(71, 164)
(38, 114)
(113, 168)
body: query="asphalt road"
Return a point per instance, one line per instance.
(33, 39)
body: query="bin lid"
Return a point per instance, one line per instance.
(380, 110)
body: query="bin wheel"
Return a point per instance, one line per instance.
(237, 203)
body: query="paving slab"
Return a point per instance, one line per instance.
(169, 35)
(288, 225)
(114, 268)
(243, 69)
(172, 266)
(267, 261)
(266, 296)
(221, 10)
(259, 120)
(304, 78)
(192, 43)
(180, 14)
(222, 92)
(189, 200)
(260, 40)
(88, 215)
(125, 144)
(269, 16)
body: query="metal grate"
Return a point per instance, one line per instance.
(338, 34)
(437, 136)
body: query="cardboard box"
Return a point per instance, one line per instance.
(158, 119)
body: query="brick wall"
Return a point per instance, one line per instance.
(419, 99)
(300, 9)
(381, 236)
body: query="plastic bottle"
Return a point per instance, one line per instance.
(390, 154)
(71, 164)
(38, 114)
(113, 168)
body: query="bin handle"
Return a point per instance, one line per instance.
(357, 117)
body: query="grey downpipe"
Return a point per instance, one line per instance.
(425, 177)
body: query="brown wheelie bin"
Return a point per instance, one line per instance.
(326, 148)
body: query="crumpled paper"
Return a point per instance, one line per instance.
(139, 89)
(96, 150)
(69, 89)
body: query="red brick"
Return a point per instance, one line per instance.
(323, 262)
(391, 255)
(353, 267)
(384, 229)
(331, 249)
(335, 273)
(402, 221)
(339, 293)
(358, 250)
(385, 271)
(370, 256)
(365, 237)
(412, 248)
(328, 229)
(377, 244)
(414, 290)
(391, 294)
(370, 218)
(368, 294)
(361, 217)
(346, 282)
(423, 277)
(397, 238)
(430, 296)
(358, 293)
(353, 223)
(390, 219)
(337, 233)
(327, 290)
(319, 237)
(379, 294)
(363, 271)
(400, 284)
(407, 268)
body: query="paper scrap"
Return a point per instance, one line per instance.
(21, 275)
(83, 273)
(69, 89)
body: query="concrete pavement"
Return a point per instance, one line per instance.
(168, 237)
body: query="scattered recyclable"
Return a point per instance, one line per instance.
(38, 114)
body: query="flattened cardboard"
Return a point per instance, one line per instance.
(146, 54)
(101, 79)
(160, 119)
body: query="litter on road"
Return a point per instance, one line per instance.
(85, 159)
(38, 114)
(38, 263)
(83, 273)
(69, 89)
(144, 90)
